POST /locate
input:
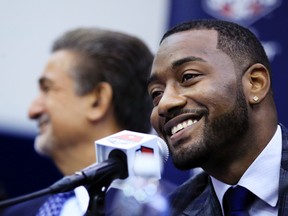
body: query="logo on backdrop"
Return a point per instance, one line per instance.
(244, 12)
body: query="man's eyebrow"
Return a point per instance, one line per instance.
(182, 61)
(152, 79)
(43, 80)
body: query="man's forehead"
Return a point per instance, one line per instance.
(205, 34)
(186, 43)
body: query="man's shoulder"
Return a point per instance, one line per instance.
(195, 190)
(284, 132)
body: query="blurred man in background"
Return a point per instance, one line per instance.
(93, 85)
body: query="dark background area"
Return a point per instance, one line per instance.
(22, 169)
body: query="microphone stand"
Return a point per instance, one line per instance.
(97, 194)
(97, 191)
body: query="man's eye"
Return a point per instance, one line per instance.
(155, 94)
(156, 97)
(187, 77)
(44, 88)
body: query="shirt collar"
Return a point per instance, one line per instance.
(82, 197)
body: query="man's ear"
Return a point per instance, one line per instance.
(257, 83)
(100, 101)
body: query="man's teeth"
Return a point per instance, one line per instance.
(182, 125)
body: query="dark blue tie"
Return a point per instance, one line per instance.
(237, 201)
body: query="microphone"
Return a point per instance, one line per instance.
(145, 154)
(115, 166)
(123, 156)
(120, 157)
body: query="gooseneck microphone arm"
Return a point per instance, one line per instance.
(114, 167)
(94, 176)
(13, 201)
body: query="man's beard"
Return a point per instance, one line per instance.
(43, 143)
(217, 134)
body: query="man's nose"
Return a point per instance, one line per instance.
(170, 100)
(36, 108)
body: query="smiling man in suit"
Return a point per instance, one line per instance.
(213, 105)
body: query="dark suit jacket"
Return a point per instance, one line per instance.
(197, 196)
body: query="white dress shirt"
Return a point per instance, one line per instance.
(261, 178)
(77, 205)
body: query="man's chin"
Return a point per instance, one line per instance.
(41, 146)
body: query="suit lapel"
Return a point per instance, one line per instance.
(283, 181)
(204, 204)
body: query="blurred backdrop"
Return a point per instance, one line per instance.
(29, 27)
